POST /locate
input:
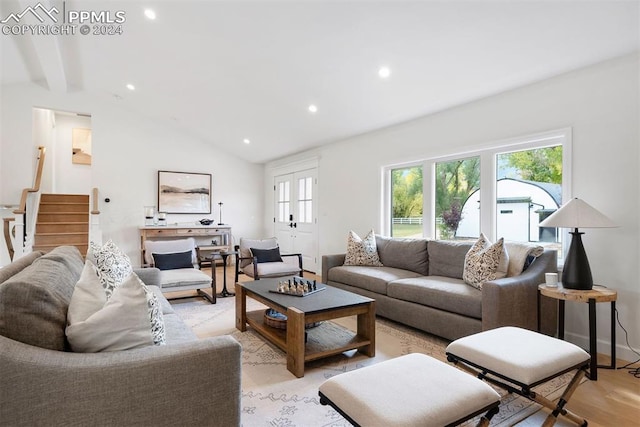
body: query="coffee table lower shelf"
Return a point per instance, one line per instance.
(326, 339)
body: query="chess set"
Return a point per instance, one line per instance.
(297, 286)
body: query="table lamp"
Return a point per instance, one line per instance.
(576, 214)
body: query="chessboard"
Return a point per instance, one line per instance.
(297, 287)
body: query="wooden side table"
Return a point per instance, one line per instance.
(593, 296)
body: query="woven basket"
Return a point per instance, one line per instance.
(277, 320)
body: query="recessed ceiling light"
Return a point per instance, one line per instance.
(150, 14)
(246, 141)
(384, 72)
(313, 109)
(131, 87)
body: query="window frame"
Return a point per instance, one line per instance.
(488, 182)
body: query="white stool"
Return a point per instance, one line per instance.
(517, 359)
(412, 390)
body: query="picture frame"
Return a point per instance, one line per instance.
(184, 192)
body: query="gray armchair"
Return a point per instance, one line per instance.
(182, 274)
(265, 260)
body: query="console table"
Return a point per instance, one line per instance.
(210, 238)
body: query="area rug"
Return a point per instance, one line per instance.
(273, 397)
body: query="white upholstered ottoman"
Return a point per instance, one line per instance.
(517, 359)
(412, 390)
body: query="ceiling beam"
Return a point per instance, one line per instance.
(48, 51)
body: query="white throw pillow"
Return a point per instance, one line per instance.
(485, 261)
(130, 318)
(362, 251)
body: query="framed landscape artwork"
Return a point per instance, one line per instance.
(184, 192)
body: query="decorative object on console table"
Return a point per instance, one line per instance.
(162, 219)
(220, 222)
(184, 192)
(149, 215)
(576, 273)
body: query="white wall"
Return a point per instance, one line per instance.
(128, 150)
(69, 178)
(599, 103)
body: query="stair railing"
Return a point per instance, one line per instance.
(27, 212)
(95, 232)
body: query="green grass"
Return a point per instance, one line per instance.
(407, 230)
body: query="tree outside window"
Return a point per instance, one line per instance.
(406, 195)
(456, 180)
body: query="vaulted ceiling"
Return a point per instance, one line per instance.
(226, 71)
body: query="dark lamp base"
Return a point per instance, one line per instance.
(576, 273)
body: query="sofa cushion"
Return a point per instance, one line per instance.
(362, 251)
(274, 269)
(18, 265)
(128, 318)
(184, 277)
(407, 254)
(34, 302)
(485, 261)
(444, 293)
(373, 279)
(176, 330)
(446, 257)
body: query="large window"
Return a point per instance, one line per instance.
(406, 197)
(523, 182)
(456, 181)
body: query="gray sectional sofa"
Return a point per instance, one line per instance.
(421, 285)
(189, 381)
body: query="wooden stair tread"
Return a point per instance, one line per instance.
(62, 233)
(63, 223)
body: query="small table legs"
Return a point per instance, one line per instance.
(225, 293)
(593, 336)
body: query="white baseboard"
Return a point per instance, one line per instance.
(604, 347)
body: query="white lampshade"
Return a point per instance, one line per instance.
(577, 213)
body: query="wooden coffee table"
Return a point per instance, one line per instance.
(325, 340)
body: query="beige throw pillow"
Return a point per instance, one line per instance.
(129, 318)
(362, 251)
(485, 261)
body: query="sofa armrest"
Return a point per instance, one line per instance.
(198, 381)
(330, 261)
(150, 276)
(513, 301)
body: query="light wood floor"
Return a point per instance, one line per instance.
(612, 401)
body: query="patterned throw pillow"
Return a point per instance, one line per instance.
(485, 262)
(113, 265)
(362, 251)
(130, 318)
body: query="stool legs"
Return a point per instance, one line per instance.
(559, 408)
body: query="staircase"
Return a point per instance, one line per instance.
(63, 219)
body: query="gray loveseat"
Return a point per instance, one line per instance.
(186, 382)
(421, 285)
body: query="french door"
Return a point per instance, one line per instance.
(295, 219)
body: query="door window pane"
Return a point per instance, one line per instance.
(406, 202)
(305, 200)
(283, 201)
(458, 199)
(529, 189)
